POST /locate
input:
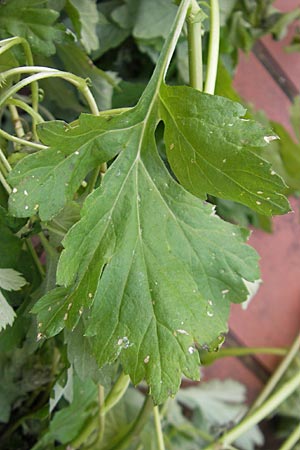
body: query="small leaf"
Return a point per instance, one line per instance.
(84, 16)
(7, 314)
(211, 150)
(11, 280)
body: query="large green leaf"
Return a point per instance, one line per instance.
(149, 265)
(32, 20)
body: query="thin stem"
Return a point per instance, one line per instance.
(5, 183)
(101, 414)
(292, 439)
(213, 48)
(42, 73)
(16, 121)
(22, 105)
(35, 257)
(6, 44)
(260, 413)
(139, 423)
(277, 374)
(117, 391)
(195, 47)
(158, 429)
(209, 357)
(46, 244)
(114, 396)
(4, 161)
(20, 141)
(55, 230)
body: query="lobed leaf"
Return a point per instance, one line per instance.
(139, 232)
(212, 150)
(150, 266)
(47, 180)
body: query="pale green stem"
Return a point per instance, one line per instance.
(20, 141)
(259, 414)
(46, 244)
(292, 440)
(5, 184)
(274, 379)
(101, 414)
(4, 160)
(158, 429)
(25, 107)
(213, 48)
(55, 230)
(16, 121)
(117, 392)
(42, 73)
(123, 442)
(195, 47)
(114, 396)
(6, 44)
(209, 357)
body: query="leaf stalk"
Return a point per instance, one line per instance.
(213, 48)
(195, 47)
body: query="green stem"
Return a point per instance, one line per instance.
(4, 161)
(101, 419)
(46, 244)
(277, 374)
(35, 257)
(117, 392)
(195, 47)
(22, 105)
(55, 230)
(292, 439)
(41, 73)
(114, 396)
(207, 357)
(213, 48)
(158, 429)
(5, 183)
(124, 441)
(16, 121)
(20, 141)
(6, 44)
(259, 414)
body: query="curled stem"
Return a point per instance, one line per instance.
(7, 44)
(41, 73)
(25, 107)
